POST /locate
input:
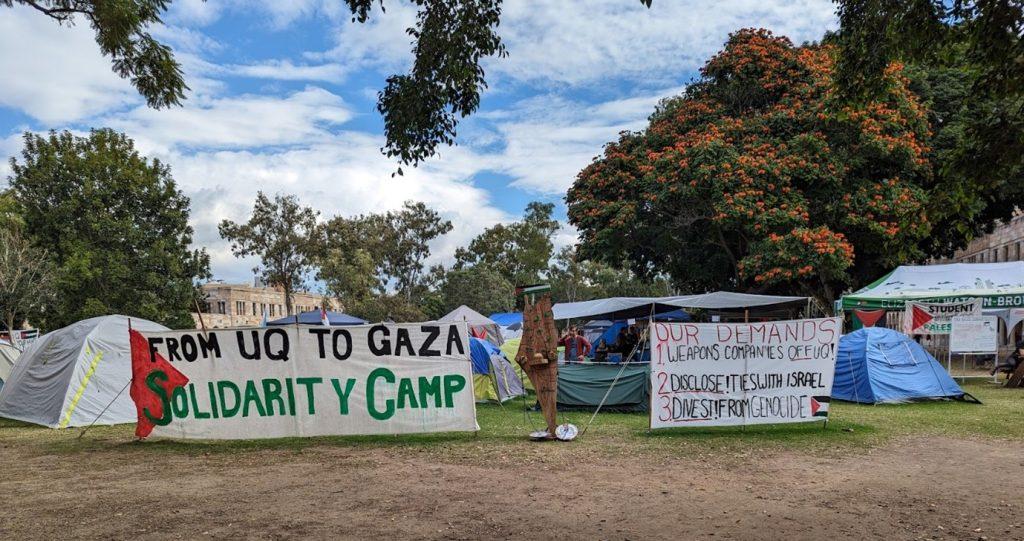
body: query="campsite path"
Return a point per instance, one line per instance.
(926, 487)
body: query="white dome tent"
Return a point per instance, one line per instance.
(69, 376)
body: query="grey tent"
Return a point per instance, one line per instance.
(618, 308)
(480, 325)
(67, 377)
(8, 356)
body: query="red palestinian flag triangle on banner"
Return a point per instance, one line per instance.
(919, 318)
(151, 373)
(868, 318)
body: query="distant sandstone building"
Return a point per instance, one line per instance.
(239, 305)
(1004, 243)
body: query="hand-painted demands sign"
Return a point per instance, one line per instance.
(313, 380)
(719, 374)
(936, 317)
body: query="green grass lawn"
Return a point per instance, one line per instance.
(850, 427)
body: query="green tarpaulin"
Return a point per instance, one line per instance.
(582, 386)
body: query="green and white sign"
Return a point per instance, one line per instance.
(314, 380)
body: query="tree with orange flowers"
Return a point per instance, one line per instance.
(757, 178)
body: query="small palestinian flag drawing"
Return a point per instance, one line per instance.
(819, 406)
(920, 318)
(153, 382)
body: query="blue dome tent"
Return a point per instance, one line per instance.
(491, 368)
(882, 365)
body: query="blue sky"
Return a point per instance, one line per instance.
(284, 93)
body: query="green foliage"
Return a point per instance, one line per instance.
(968, 70)
(26, 278)
(114, 225)
(421, 108)
(479, 287)
(756, 179)
(519, 251)
(121, 33)
(349, 277)
(10, 213)
(574, 279)
(387, 307)
(284, 235)
(397, 243)
(873, 33)
(978, 177)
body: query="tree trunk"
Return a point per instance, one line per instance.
(288, 298)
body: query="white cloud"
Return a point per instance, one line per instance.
(195, 12)
(303, 117)
(549, 139)
(578, 73)
(10, 146)
(380, 43)
(582, 42)
(55, 74)
(346, 176)
(285, 70)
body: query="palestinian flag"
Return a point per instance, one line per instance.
(819, 406)
(869, 318)
(153, 383)
(919, 317)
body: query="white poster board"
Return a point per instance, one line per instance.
(974, 334)
(722, 374)
(313, 380)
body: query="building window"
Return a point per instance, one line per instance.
(1006, 252)
(222, 307)
(254, 309)
(1018, 252)
(239, 308)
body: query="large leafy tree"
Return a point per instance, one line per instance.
(374, 264)
(575, 279)
(970, 61)
(396, 242)
(520, 251)
(285, 236)
(479, 287)
(755, 178)
(113, 223)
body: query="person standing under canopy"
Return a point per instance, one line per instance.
(577, 347)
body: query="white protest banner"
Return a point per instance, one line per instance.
(974, 334)
(306, 380)
(935, 317)
(720, 374)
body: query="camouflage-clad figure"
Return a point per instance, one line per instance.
(538, 351)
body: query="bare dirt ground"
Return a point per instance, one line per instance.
(913, 488)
